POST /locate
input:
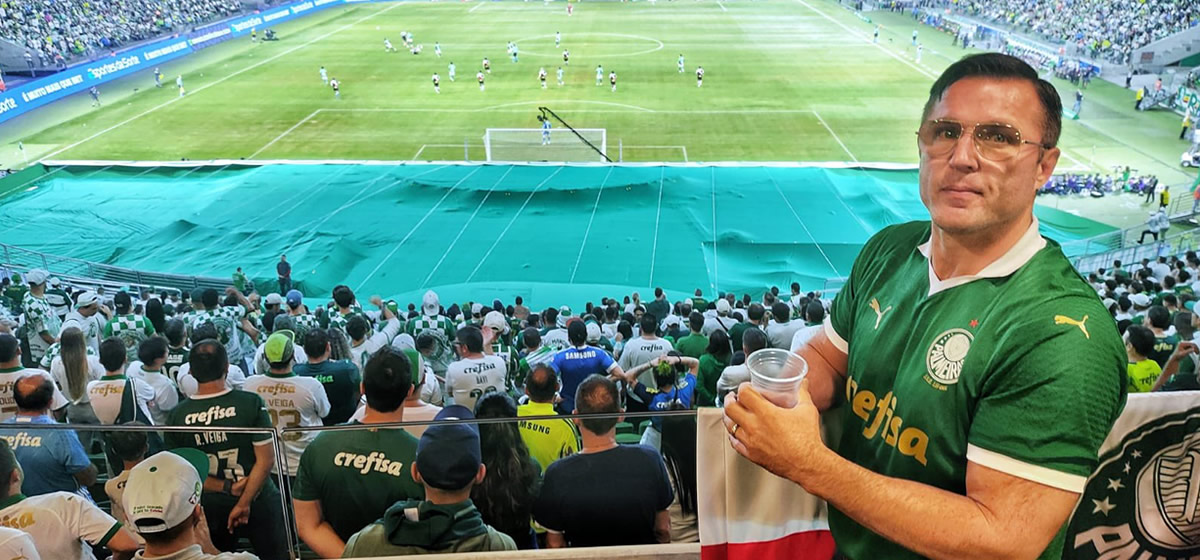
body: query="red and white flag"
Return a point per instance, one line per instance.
(747, 513)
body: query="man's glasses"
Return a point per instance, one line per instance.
(994, 141)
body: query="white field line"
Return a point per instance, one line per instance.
(511, 221)
(284, 133)
(835, 136)
(418, 154)
(588, 231)
(414, 228)
(723, 8)
(802, 225)
(206, 86)
(657, 214)
(477, 6)
(464, 227)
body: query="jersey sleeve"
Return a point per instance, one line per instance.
(839, 324)
(89, 522)
(19, 545)
(606, 360)
(320, 398)
(1083, 373)
(262, 419)
(69, 452)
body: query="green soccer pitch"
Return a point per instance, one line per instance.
(785, 80)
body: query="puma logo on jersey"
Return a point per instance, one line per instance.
(213, 413)
(1064, 320)
(878, 313)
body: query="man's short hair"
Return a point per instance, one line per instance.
(598, 394)
(1159, 317)
(357, 327)
(781, 312)
(1002, 67)
(471, 337)
(33, 392)
(541, 383)
(129, 446)
(577, 333)
(814, 312)
(649, 324)
(753, 340)
(756, 311)
(1171, 300)
(208, 360)
(387, 379)
(1141, 338)
(9, 347)
(343, 296)
(112, 354)
(151, 349)
(696, 321)
(175, 331)
(210, 298)
(533, 338)
(315, 342)
(425, 341)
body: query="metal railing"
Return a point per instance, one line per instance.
(79, 270)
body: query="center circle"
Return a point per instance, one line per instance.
(591, 51)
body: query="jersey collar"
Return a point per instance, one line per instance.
(1026, 247)
(281, 375)
(113, 377)
(198, 396)
(11, 500)
(11, 369)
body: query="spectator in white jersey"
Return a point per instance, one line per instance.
(115, 398)
(292, 400)
(90, 317)
(278, 322)
(782, 329)
(476, 373)
(62, 525)
(753, 340)
(814, 314)
(535, 352)
(163, 500)
(645, 348)
(187, 383)
(12, 371)
(358, 328)
(152, 357)
(721, 320)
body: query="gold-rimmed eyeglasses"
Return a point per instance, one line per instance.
(994, 141)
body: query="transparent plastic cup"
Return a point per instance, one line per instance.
(776, 374)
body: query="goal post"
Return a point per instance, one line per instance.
(534, 144)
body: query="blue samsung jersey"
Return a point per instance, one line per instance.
(574, 365)
(684, 392)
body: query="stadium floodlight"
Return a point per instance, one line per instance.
(554, 144)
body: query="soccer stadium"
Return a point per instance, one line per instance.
(493, 278)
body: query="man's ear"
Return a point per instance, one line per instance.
(416, 473)
(481, 474)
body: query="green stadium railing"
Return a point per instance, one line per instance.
(88, 272)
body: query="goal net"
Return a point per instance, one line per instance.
(530, 144)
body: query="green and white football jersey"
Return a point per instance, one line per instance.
(1018, 368)
(131, 330)
(39, 318)
(443, 330)
(228, 320)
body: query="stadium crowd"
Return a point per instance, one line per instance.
(1099, 29)
(216, 360)
(54, 32)
(211, 360)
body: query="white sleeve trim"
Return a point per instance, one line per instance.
(837, 340)
(1020, 469)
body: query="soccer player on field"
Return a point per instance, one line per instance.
(157, 78)
(557, 38)
(479, 76)
(387, 46)
(437, 49)
(515, 50)
(542, 77)
(570, 8)
(452, 71)
(324, 76)
(337, 91)
(436, 83)
(679, 63)
(179, 84)
(545, 130)
(487, 65)
(599, 74)
(612, 79)
(699, 76)
(560, 76)
(95, 93)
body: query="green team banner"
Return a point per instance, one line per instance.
(1143, 501)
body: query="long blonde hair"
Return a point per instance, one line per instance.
(73, 351)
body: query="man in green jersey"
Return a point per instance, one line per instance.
(977, 373)
(240, 499)
(349, 478)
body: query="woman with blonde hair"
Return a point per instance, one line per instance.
(72, 369)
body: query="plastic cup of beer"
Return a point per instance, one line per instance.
(776, 374)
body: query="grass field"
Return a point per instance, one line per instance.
(787, 80)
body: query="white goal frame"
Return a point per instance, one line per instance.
(589, 133)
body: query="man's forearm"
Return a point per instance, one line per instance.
(46, 337)
(258, 475)
(900, 510)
